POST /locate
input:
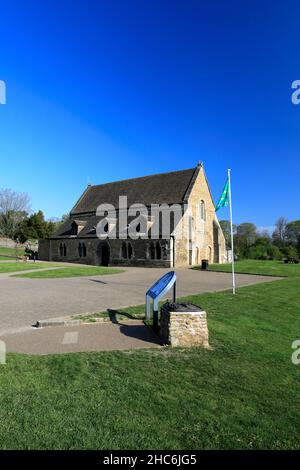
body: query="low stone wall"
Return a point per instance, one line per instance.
(183, 325)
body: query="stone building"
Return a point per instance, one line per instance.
(194, 234)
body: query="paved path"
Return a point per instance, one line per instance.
(96, 337)
(24, 301)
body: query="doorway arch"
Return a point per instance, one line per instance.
(103, 254)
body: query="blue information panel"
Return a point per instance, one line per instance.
(160, 285)
(157, 291)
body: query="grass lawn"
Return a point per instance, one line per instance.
(250, 266)
(242, 394)
(21, 266)
(72, 271)
(10, 253)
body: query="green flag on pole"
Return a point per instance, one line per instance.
(224, 199)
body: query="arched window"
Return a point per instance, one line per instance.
(158, 250)
(65, 249)
(129, 247)
(202, 210)
(61, 249)
(152, 251)
(83, 250)
(80, 250)
(124, 250)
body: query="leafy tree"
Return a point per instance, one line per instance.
(225, 226)
(246, 234)
(293, 234)
(279, 234)
(14, 207)
(36, 227)
(248, 231)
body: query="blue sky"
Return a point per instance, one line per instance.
(106, 90)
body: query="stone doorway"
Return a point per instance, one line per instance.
(103, 254)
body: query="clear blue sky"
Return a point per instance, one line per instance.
(105, 90)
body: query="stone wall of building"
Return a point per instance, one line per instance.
(199, 235)
(183, 328)
(138, 251)
(44, 250)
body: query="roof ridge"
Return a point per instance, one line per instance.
(141, 177)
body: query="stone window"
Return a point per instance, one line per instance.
(152, 251)
(124, 250)
(202, 210)
(61, 249)
(129, 250)
(82, 250)
(158, 250)
(64, 249)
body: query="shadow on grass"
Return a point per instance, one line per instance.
(113, 315)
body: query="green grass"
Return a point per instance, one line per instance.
(272, 268)
(242, 394)
(21, 266)
(72, 271)
(10, 253)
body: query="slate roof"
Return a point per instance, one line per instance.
(169, 188)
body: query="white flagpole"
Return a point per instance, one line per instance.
(231, 231)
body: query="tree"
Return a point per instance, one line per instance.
(225, 226)
(36, 227)
(14, 207)
(293, 234)
(279, 234)
(248, 231)
(246, 234)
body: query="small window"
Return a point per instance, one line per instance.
(124, 250)
(152, 251)
(64, 249)
(61, 249)
(83, 250)
(158, 250)
(80, 250)
(129, 250)
(202, 210)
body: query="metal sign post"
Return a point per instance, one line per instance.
(156, 292)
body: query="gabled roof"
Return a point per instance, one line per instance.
(169, 188)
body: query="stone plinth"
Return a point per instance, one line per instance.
(183, 325)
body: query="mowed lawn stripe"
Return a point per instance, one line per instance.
(72, 271)
(10, 267)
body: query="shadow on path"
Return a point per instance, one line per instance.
(141, 332)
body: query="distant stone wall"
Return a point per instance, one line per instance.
(44, 250)
(185, 329)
